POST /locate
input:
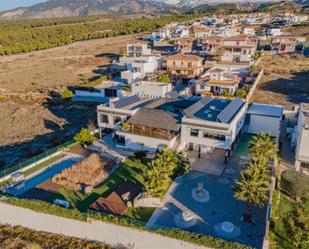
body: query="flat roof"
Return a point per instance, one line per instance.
(215, 110)
(265, 110)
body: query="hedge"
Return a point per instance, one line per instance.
(195, 238)
(295, 184)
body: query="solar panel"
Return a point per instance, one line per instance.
(226, 115)
(190, 111)
(125, 101)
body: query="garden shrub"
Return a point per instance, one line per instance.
(295, 184)
(84, 137)
(67, 94)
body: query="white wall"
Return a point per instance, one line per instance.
(96, 230)
(133, 142)
(264, 124)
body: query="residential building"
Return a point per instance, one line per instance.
(249, 31)
(136, 68)
(185, 44)
(107, 89)
(202, 32)
(212, 124)
(138, 50)
(161, 34)
(210, 45)
(185, 65)
(238, 49)
(180, 31)
(151, 89)
(150, 123)
(216, 83)
(302, 138)
(283, 44)
(164, 48)
(273, 32)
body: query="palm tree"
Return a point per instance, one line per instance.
(262, 147)
(252, 187)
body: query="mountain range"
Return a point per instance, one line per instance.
(64, 8)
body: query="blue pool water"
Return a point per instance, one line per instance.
(42, 177)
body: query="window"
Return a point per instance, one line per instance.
(117, 119)
(193, 132)
(103, 119)
(214, 136)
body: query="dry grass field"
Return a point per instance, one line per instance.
(22, 238)
(30, 120)
(286, 80)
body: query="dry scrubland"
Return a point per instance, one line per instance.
(286, 80)
(28, 112)
(22, 238)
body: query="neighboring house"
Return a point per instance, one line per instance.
(185, 44)
(137, 68)
(210, 45)
(302, 138)
(212, 124)
(238, 49)
(273, 32)
(185, 65)
(138, 50)
(283, 44)
(151, 89)
(217, 83)
(180, 31)
(202, 32)
(151, 123)
(263, 118)
(107, 89)
(164, 48)
(161, 34)
(249, 31)
(226, 32)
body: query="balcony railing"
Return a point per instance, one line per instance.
(153, 134)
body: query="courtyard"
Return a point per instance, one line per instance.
(211, 214)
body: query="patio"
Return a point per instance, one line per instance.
(210, 214)
(208, 163)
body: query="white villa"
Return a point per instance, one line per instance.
(136, 68)
(138, 50)
(151, 89)
(212, 124)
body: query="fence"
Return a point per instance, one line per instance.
(34, 159)
(256, 82)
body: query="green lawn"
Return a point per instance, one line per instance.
(279, 238)
(130, 170)
(143, 214)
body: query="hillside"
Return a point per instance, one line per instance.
(64, 8)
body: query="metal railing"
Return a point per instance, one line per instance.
(34, 159)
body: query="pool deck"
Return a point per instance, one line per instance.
(221, 207)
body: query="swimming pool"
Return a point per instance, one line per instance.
(25, 186)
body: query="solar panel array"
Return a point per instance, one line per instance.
(125, 101)
(189, 112)
(226, 115)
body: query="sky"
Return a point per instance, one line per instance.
(11, 4)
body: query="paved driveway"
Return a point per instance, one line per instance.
(210, 215)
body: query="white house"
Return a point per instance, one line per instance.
(143, 123)
(273, 32)
(138, 50)
(180, 31)
(151, 89)
(248, 31)
(212, 124)
(161, 34)
(302, 137)
(263, 118)
(107, 89)
(139, 67)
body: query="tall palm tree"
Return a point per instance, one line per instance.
(252, 187)
(262, 147)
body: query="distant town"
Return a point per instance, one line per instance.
(182, 154)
